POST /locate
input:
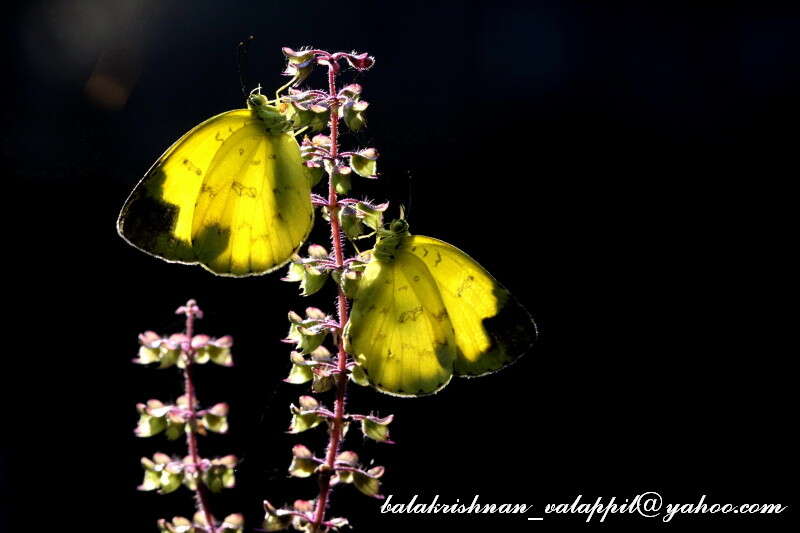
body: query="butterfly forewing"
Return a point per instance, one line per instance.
(228, 195)
(399, 329)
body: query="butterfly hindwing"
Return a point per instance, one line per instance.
(426, 311)
(255, 211)
(399, 331)
(492, 329)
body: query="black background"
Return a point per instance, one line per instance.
(624, 168)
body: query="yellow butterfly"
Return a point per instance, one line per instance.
(424, 311)
(232, 194)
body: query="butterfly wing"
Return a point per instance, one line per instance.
(256, 208)
(491, 328)
(398, 329)
(157, 216)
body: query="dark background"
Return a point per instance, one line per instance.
(624, 168)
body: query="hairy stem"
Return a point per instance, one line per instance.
(341, 377)
(201, 496)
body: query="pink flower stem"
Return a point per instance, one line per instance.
(337, 424)
(201, 496)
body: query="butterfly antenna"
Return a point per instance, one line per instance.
(241, 63)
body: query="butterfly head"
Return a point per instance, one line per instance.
(390, 237)
(267, 113)
(399, 226)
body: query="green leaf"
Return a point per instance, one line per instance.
(217, 424)
(364, 163)
(162, 473)
(303, 462)
(300, 64)
(302, 370)
(151, 481)
(150, 425)
(376, 428)
(149, 349)
(368, 482)
(213, 479)
(341, 182)
(348, 458)
(323, 382)
(353, 114)
(276, 519)
(350, 223)
(321, 140)
(169, 357)
(221, 474)
(170, 481)
(316, 251)
(349, 471)
(229, 478)
(178, 524)
(315, 118)
(233, 523)
(358, 376)
(371, 215)
(295, 271)
(299, 374)
(311, 341)
(308, 334)
(161, 459)
(321, 355)
(313, 281)
(148, 355)
(348, 281)
(306, 272)
(175, 430)
(219, 351)
(304, 417)
(155, 349)
(315, 174)
(351, 91)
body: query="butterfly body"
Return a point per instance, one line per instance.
(426, 311)
(232, 195)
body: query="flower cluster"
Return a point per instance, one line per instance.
(328, 369)
(176, 420)
(179, 350)
(165, 473)
(231, 524)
